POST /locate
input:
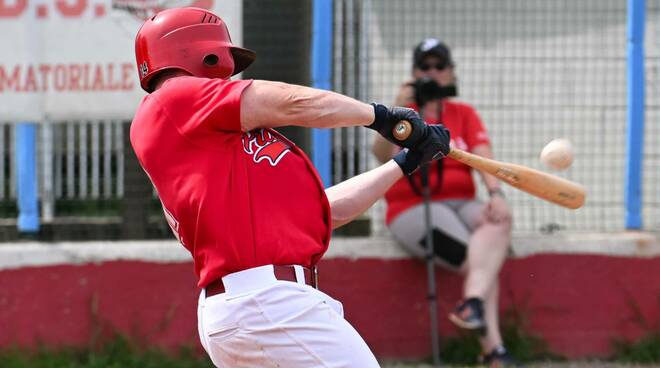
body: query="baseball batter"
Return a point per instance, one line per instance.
(246, 202)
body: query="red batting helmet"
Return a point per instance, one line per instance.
(190, 39)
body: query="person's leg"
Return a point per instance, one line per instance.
(451, 237)
(453, 221)
(487, 250)
(493, 338)
(450, 234)
(316, 325)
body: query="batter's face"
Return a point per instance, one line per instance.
(436, 69)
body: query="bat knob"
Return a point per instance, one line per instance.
(402, 130)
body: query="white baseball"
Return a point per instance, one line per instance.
(558, 154)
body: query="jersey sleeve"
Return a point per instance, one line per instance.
(475, 132)
(205, 104)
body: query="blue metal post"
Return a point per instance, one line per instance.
(321, 78)
(635, 133)
(26, 177)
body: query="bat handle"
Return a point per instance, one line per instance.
(402, 130)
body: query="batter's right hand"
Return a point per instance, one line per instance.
(408, 160)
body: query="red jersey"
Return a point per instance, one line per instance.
(234, 200)
(467, 132)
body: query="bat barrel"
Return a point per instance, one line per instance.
(543, 185)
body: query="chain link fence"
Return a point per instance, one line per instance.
(535, 70)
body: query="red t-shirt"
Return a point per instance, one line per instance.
(467, 132)
(234, 200)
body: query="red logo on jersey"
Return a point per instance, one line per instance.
(263, 145)
(174, 224)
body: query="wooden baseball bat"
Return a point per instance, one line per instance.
(537, 183)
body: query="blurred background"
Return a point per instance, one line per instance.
(89, 268)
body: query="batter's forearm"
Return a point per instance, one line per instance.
(383, 149)
(325, 109)
(352, 197)
(267, 104)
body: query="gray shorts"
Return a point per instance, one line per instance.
(452, 222)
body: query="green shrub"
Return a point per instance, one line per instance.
(115, 353)
(644, 350)
(523, 345)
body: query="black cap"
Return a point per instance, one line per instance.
(432, 46)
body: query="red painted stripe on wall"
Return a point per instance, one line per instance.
(577, 303)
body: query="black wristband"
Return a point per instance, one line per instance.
(380, 116)
(407, 161)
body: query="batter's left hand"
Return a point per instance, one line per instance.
(497, 210)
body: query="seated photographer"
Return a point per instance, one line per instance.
(470, 236)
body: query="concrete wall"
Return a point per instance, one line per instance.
(577, 293)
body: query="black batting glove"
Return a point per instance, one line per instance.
(386, 118)
(408, 160)
(434, 144)
(432, 141)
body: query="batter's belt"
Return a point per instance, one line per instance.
(282, 273)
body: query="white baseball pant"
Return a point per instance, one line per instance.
(263, 322)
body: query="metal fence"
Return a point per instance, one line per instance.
(82, 160)
(535, 70)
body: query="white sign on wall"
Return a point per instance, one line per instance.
(74, 59)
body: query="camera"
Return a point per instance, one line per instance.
(427, 89)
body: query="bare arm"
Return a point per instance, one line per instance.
(352, 197)
(490, 181)
(383, 149)
(496, 211)
(266, 104)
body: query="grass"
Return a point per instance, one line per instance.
(524, 346)
(645, 350)
(461, 351)
(119, 352)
